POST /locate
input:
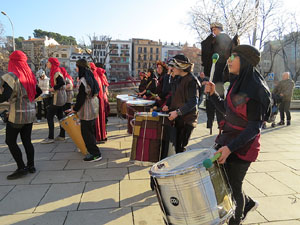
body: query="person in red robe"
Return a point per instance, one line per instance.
(101, 72)
(100, 121)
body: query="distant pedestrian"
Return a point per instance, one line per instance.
(285, 89)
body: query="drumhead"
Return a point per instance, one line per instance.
(125, 97)
(140, 102)
(150, 114)
(181, 163)
(68, 116)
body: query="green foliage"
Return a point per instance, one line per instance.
(18, 42)
(296, 95)
(61, 39)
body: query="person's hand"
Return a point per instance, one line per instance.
(158, 98)
(51, 89)
(281, 94)
(144, 97)
(70, 111)
(165, 108)
(210, 88)
(225, 152)
(172, 115)
(204, 83)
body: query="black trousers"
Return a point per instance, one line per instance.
(284, 107)
(53, 110)
(210, 112)
(183, 134)
(42, 106)
(236, 170)
(88, 131)
(12, 132)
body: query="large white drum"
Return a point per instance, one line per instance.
(189, 193)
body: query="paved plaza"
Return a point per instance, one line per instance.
(67, 191)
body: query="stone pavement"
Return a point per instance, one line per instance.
(67, 191)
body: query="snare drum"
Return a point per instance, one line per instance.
(121, 104)
(71, 124)
(138, 105)
(188, 193)
(148, 138)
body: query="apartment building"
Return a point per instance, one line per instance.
(145, 53)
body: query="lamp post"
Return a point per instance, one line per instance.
(12, 27)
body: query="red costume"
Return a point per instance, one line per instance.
(100, 121)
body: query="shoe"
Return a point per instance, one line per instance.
(91, 158)
(264, 126)
(31, 169)
(288, 123)
(59, 138)
(47, 141)
(249, 207)
(17, 174)
(280, 123)
(233, 221)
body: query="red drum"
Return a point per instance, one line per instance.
(138, 105)
(148, 138)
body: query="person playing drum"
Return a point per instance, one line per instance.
(183, 107)
(87, 109)
(246, 106)
(59, 99)
(43, 83)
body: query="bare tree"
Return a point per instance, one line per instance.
(236, 16)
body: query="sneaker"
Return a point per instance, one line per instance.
(288, 123)
(31, 169)
(280, 123)
(249, 207)
(47, 141)
(17, 174)
(91, 158)
(59, 138)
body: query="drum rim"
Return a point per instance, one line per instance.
(197, 165)
(150, 114)
(142, 102)
(68, 116)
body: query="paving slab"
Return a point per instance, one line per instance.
(139, 172)
(277, 208)
(125, 162)
(67, 156)
(50, 165)
(107, 174)
(254, 218)
(136, 193)
(53, 218)
(148, 215)
(98, 195)
(4, 190)
(286, 222)
(61, 197)
(288, 178)
(23, 199)
(268, 185)
(25, 180)
(269, 166)
(80, 164)
(294, 164)
(5, 157)
(99, 217)
(65, 176)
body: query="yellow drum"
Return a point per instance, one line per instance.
(71, 124)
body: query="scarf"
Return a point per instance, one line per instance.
(101, 72)
(54, 69)
(18, 65)
(66, 75)
(97, 78)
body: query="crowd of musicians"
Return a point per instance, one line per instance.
(174, 88)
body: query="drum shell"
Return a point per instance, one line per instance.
(194, 196)
(71, 124)
(147, 142)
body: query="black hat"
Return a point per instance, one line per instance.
(249, 53)
(82, 63)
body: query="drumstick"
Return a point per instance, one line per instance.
(207, 163)
(215, 58)
(150, 93)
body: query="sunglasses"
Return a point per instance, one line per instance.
(233, 55)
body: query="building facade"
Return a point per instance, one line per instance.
(145, 53)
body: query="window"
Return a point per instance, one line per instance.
(140, 57)
(156, 57)
(140, 50)
(157, 50)
(145, 66)
(64, 55)
(151, 58)
(57, 55)
(139, 65)
(151, 50)
(145, 57)
(145, 49)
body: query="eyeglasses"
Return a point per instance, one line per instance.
(233, 55)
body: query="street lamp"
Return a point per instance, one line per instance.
(12, 27)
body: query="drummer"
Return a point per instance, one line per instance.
(43, 83)
(163, 87)
(69, 88)
(143, 82)
(59, 99)
(150, 86)
(246, 106)
(87, 109)
(184, 101)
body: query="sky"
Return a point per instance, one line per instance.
(164, 20)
